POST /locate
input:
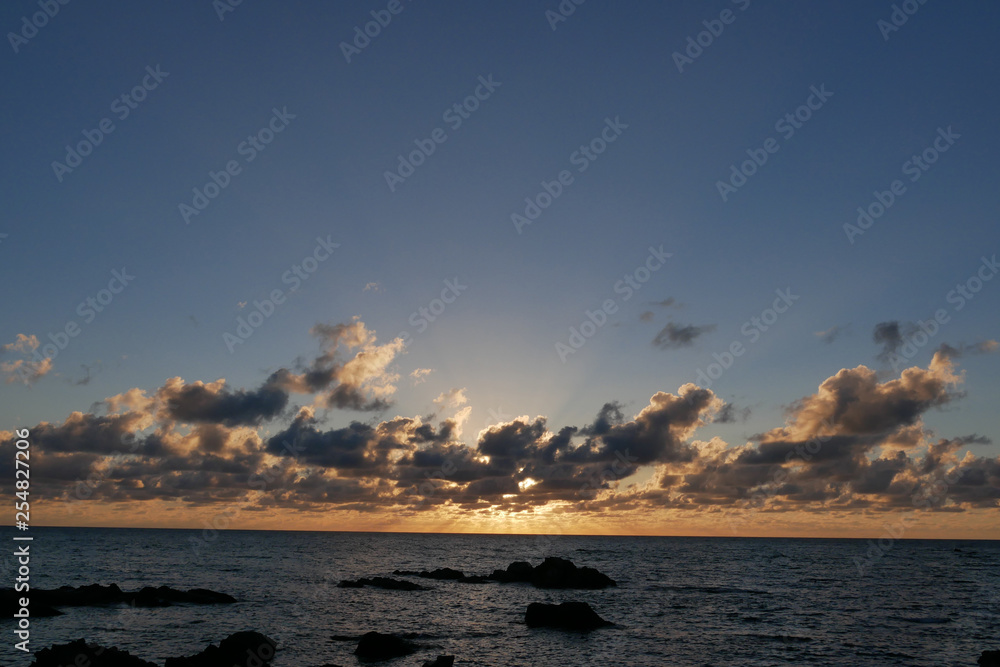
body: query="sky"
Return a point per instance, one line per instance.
(714, 268)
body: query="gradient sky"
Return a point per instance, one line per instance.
(323, 177)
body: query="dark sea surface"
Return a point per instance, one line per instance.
(679, 601)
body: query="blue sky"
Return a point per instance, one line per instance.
(655, 185)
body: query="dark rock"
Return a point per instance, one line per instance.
(518, 571)
(566, 616)
(441, 661)
(81, 653)
(43, 601)
(383, 582)
(989, 659)
(561, 573)
(553, 573)
(442, 573)
(240, 648)
(375, 646)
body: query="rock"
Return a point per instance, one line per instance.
(445, 573)
(383, 582)
(561, 573)
(43, 601)
(375, 646)
(81, 653)
(239, 648)
(442, 573)
(515, 572)
(989, 659)
(441, 661)
(565, 616)
(553, 573)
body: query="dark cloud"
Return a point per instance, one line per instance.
(215, 403)
(646, 316)
(729, 414)
(674, 336)
(889, 336)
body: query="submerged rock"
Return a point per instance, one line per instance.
(375, 646)
(240, 648)
(566, 616)
(92, 655)
(382, 582)
(444, 574)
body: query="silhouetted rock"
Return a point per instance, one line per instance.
(92, 655)
(442, 573)
(43, 600)
(518, 571)
(382, 582)
(989, 659)
(561, 573)
(441, 661)
(240, 648)
(553, 573)
(375, 646)
(566, 616)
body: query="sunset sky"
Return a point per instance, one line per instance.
(719, 269)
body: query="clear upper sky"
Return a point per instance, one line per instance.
(329, 121)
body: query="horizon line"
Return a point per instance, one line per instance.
(413, 532)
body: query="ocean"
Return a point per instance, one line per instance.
(681, 601)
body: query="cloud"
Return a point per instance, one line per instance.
(674, 336)
(452, 398)
(25, 370)
(854, 443)
(419, 376)
(729, 414)
(28, 370)
(982, 347)
(353, 369)
(372, 287)
(215, 403)
(666, 303)
(646, 316)
(25, 344)
(832, 334)
(891, 336)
